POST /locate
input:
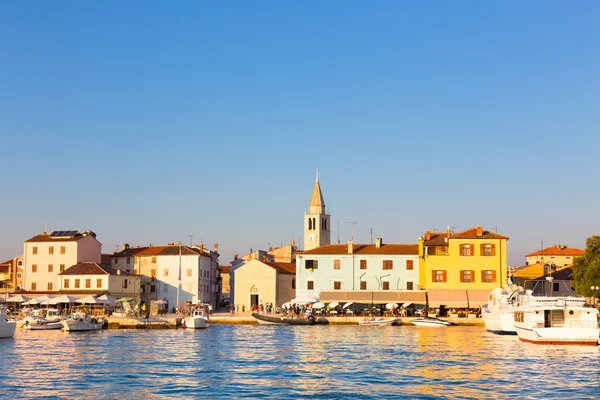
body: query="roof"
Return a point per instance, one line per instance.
(91, 268)
(225, 268)
(317, 197)
(131, 251)
(439, 238)
(283, 268)
(365, 249)
(564, 274)
(557, 250)
(169, 251)
(44, 237)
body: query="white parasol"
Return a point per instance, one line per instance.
(318, 305)
(333, 304)
(109, 299)
(17, 299)
(62, 299)
(389, 306)
(406, 305)
(348, 304)
(305, 298)
(90, 300)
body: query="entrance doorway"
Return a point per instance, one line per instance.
(253, 300)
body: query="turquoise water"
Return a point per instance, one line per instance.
(260, 361)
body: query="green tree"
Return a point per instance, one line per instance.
(586, 269)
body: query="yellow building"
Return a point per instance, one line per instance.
(460, 269)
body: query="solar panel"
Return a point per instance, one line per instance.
(63, 233)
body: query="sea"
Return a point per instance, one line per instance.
(293, 362)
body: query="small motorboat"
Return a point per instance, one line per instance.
(81, 322)
(198, 319)
(278, 320)
(430, 322)
(376, 321)
(7, 328)
(42, 326)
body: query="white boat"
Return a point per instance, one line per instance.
(497, 314)
(81, 322)
(430, 322)
(198, 318)
(7, 328)
(376, 321)
(556, 320)
(43, 326)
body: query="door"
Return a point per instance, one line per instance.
(253, 300)
(547, 319)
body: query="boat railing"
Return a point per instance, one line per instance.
(569, 324)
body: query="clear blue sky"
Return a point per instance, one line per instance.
(148, 121)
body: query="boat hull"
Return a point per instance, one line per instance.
(43, 327)
(269, 320)
(7, 329)
(80, 326)
(196, 323)
(430, 322)
(560, 335)
(502, 323)
(380, 322)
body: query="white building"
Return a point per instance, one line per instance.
(45, 256)
(91, 278)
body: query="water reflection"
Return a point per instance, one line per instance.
(289, 362)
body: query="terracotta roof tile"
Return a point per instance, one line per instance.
(366, 249)
(439, 238)
(44, 237)
(557, 251)
(91, 268)
(284, 268)
(168, 251)
(129, 252)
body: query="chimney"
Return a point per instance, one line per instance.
(264, 258)
(235, 256)
(350, 247)
(125, 246)
(378, 242)
(201, 246)
(427, 235)
(216, 247)
(479, 231)
(170, 244)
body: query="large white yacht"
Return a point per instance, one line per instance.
(556, 320)
(7, 328)
(497, 314)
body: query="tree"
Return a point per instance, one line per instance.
(586, 269)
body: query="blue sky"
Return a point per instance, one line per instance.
(149, 122)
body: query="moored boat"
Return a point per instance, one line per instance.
(7, 328)
(376, 321)
(558, 320)
(278, 320)
(497, 314)
(43, 326)
(430, 322)
(81, 322)
(198, 319)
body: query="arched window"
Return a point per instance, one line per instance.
(314, 223)
(310, 224)
(254, 289)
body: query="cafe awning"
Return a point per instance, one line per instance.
(459, 298)
(373, 296)
(478, 298)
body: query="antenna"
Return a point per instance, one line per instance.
(338, 231)
(371, 230)
(191, 239)
(353, 223)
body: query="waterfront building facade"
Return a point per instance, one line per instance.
(558, 255)
(90, 278)
(45, 256)
(366, 273)
(11, 274)
(263, 282)
(460, 269)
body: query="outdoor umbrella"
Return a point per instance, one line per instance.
(406, 305)
(89, 300)
(318, 305)
(348, 304)
(17, 299)
(62, 299)
(389, 306)
(334, 304)
(106, 298)
(125, 299)
(31, 302)
(305, 299)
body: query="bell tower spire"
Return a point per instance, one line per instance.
(316, 221)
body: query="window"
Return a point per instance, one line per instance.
(310, 264)
(293, 283)
(165, 288)
(49, 285)
(385, 285)
(128, 260)
(409, 265)
(337, 285)
(310, 285)
(555, 287)
(467, 276)
(98, 283)
(488, 249)
(125, 284)
(51, 250)
(135, 271)
(466, 250)
(77, 282)
(34, 268)
(336, 264)
(188, 272)
(19, 275)
(409, 286)
(153, 273)
(34, 250)
(388, 264)
(153, 260)
(363, 264)
(50, 268)
(20, 263)
(166, 272)
(152, 288)
(116, 260)
(33, 286)
(439, 276)
(363, 285)
(488, 276)
(88, 283)
(66, 283)
(62, 249)
(62, 268)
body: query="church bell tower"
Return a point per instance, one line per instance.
(317, 230)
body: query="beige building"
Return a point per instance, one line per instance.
(11, 274)
(264, 282)
(91, 278)
(559, 255)
(47, 255)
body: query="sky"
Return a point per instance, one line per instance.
(147, 122)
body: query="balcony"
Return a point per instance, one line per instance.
(437, 251)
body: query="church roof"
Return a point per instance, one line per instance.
(317, 204)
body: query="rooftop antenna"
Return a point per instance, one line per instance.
(371, 230)
(338, 231)
(191, 240)
(352, 223)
